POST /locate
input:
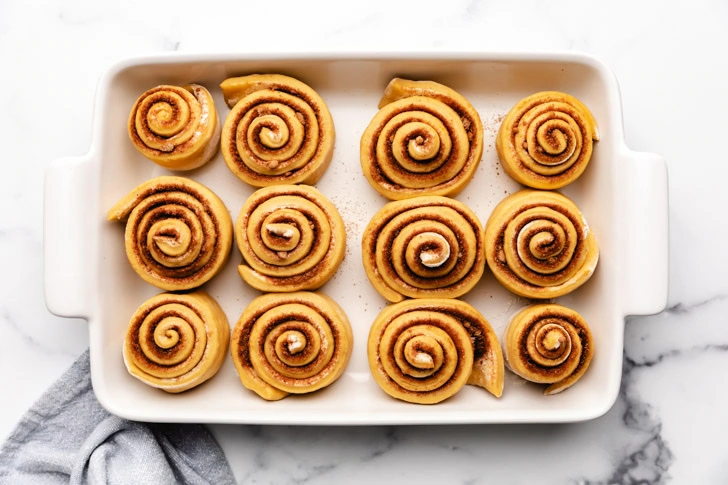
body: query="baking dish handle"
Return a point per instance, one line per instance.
(645, 212)
(66, 216)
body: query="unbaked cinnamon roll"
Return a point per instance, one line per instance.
(425, 247)
(176, 342)
(425, 351)
(178, 232)
(426, 139)
(279, 131)
(539, 245)
(291, 237)
(176, 127)
(291, 343)
(548, 344)
(546, 140)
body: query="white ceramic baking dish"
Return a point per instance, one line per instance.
(623, 194)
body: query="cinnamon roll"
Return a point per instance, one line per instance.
(425, 351)
(426, 139)
(176, 127)
(546, 140)
(279, 131)
(291, 237)
(176, 342)
(539, 245)
(178, 232)
(291, 343)
(548, 344)
(424, 247)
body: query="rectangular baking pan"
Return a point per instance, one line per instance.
(623, 195)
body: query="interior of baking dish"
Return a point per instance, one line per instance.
(352, 88)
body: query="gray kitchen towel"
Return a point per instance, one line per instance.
(67, 437)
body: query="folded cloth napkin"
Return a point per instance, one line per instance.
(67, 437)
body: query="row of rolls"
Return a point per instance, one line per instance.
(421, 251)
(426, 138)
(419, 351)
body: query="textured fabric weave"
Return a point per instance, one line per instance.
(67, 437)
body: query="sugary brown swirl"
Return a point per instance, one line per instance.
(425, 140)
(549, 344)
(163, 118)
(175, 126)
(291, 343)
(291, 237)
(539, 245)
(176, 342)
(424, 247)
(546, 140)
(278, 132)
(178, 233)
(425, 351)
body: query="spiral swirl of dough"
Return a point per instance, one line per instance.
(425, 351)
(548, 344)
(176, 342)
(175, 127)
(279, 131)
(539, 245)
(291, 237)
(424, 247)
(426, 139)
(178, 232)
(546, 140)
(288, 343)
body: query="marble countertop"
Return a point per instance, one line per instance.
(673, 75)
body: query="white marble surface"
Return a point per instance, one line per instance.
(670, 61)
